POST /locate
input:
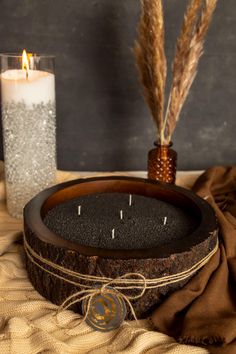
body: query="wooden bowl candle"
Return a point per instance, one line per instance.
(114, 226)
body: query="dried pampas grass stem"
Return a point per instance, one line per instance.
(182, 52)
(151, 60)
(188, 52)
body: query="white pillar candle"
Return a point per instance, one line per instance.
(28, 113)
(38, 88)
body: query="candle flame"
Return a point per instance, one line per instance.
(25, 61)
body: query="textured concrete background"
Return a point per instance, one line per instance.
(103, 122)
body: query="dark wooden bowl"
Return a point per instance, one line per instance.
(156, 262)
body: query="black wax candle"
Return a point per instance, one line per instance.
(107, 220)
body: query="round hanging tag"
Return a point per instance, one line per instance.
(106, 312)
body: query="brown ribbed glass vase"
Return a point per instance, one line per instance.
(162, 163)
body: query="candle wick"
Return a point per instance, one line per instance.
(121, 214)
(113, 234)
(130, 199)
(165, 220)
(27, 74)
(79, 210)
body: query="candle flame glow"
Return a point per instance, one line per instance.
(25, 61)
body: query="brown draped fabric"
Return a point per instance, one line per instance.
(204, 311)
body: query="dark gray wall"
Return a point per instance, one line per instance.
(103, 122)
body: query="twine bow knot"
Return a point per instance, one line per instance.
(89, 294)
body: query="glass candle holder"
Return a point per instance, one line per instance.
(29, 126)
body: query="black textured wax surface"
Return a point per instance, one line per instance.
(142, 225)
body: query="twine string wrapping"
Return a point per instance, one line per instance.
(128, 281)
